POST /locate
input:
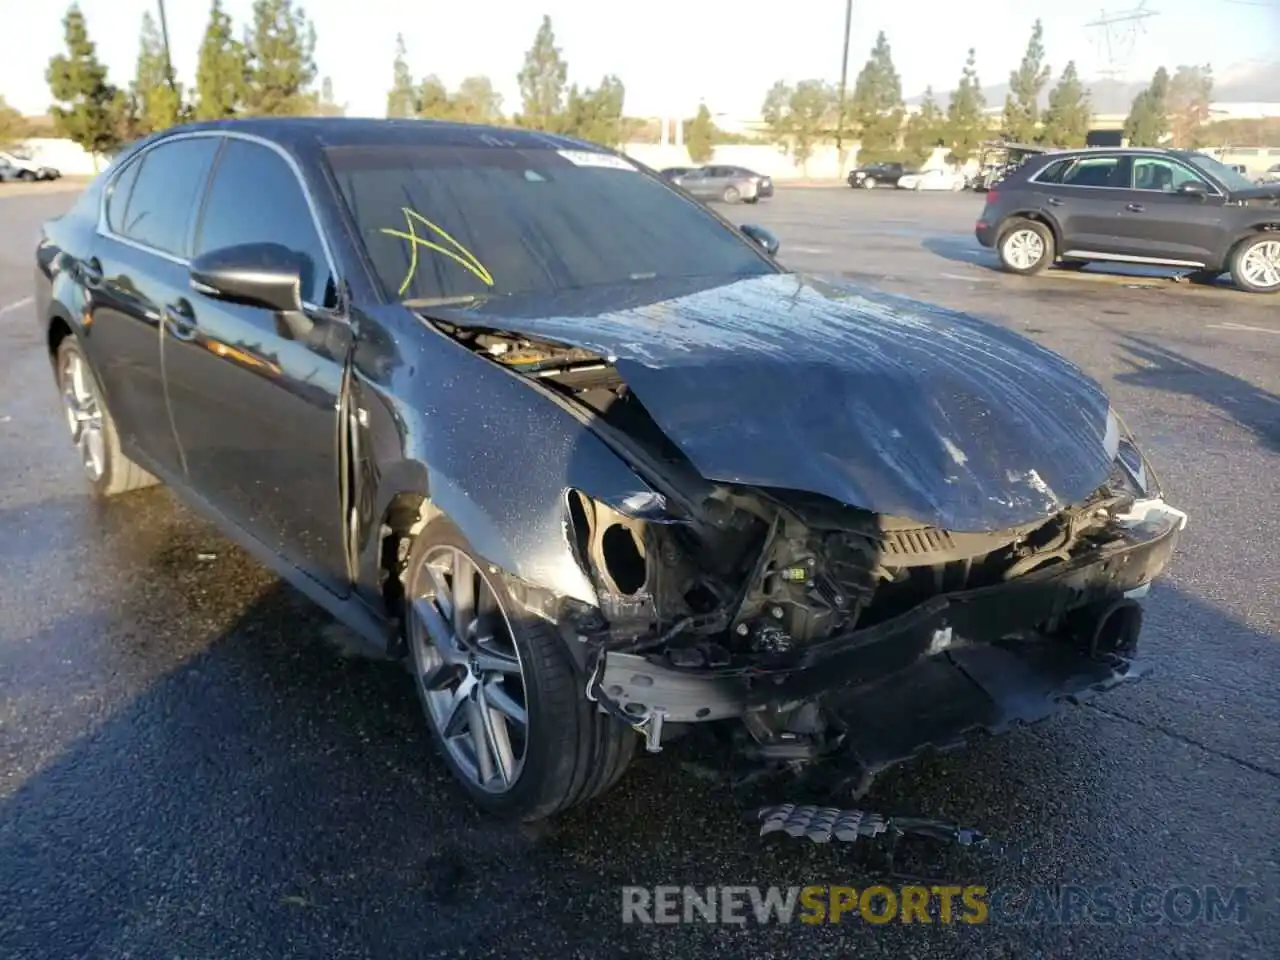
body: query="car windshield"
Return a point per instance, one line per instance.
(1229, 178)
(442, 222)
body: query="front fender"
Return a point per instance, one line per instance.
(490, 453)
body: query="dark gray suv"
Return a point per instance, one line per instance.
(1176, 208)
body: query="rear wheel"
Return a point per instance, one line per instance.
(1255, 264)
(499, 690)
(731, 195)
(868, 183)
(1025, 247)
(107, 469)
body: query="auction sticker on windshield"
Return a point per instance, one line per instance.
(589, 158)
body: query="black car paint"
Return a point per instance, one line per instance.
(1182, 228)
(403, 409)
(873, 400)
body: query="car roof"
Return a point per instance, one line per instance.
(315, 133)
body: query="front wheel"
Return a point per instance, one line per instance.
(501, 695)
(93, 431)
(27, 176)
(1255, 264)
(868, 183)
(1025, 247)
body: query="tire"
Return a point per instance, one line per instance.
(26, 176)
(868, 183)
(570, 752)
(109, 472)
(1025, 247)
(1255, 264)
(731, 195)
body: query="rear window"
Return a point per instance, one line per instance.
(444, 221)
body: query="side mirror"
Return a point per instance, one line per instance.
(256, 274)
(761, 237)
(1192, 188)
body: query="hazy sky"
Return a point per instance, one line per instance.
(669, 53)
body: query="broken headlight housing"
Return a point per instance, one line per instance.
(1131, 473)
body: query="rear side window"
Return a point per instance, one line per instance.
(118, 197)
(256, 197)
(1054, 171)
(1092, 172)
(166, 192)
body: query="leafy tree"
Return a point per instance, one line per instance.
(542, 82)
(221, 71)
(1066, 122)
(281, 59)
(1188, 104)
(966, 126)
(877, 105)
(89, 108)
(699, 136)
(924, 130)
(1148, 119)
(1022, 102)
(13, 125)
(433, 100)
(799, 117)
(158, 98)
(595, 114)
(401, 97)
(477, 102)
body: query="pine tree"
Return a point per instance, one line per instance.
(542, 82)
(158, 99)
(281, 58)
(13, 125)
(1148, 119)
(877, 108)
(1190, 91)
(699, 136)
(924, 131)
(1022, 103)
(221, 71)
(89, 108)
(400, 99)
(966, 124)
(1066, 122)
(477, 102)
(595, 114)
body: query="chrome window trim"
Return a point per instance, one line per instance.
(104, 229)
(1213, 187)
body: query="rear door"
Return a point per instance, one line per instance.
(255, 394)
(138, 265)
(1159, 222)
(1085, 195)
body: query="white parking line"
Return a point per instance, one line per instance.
(967, 279)
(16, 306)
(810, 249)
(1225, 326)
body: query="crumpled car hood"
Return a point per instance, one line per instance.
(875, 400)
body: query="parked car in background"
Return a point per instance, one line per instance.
(14, 166)
(672, 172)
(730, 184)
(935, 179)
(877, 175)
(1177, 208)
(1272, 175)
(540, 426)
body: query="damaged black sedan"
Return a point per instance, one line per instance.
(587, 458)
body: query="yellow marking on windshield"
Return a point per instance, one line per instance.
(463, 256)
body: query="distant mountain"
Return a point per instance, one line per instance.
(1253, 81)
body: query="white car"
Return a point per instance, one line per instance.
(14, 166)
(936, 179)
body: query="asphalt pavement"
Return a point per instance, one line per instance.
(192, 766)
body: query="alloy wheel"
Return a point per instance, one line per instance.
(1023, 249)
(84, 415)
(1261, 264)
(468, 669)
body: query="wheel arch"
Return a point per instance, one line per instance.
(1038, 216)
(1267, 225)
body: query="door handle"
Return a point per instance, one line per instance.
(91, 273)
(1054, 202)
(1135, 207)
(181, 319)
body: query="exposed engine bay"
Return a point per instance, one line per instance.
(761, 573)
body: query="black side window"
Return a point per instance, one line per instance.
(166, 192)
(118, 197)
(255, 197)
(1092, 172)
(1054, 171)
